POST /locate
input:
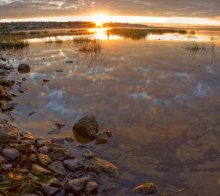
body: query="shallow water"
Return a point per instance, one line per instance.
(161, 102)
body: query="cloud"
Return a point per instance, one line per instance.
(39, 8)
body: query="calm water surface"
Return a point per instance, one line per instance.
(161, 102)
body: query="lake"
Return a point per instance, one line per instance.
(160, 100)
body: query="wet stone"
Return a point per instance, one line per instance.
(6, 166)
(102, 138)
(44, 159)
(79, 184)
(49, 190)
(57, 167)
(59, 154)
(98, 165)
(87, 127)
(72, 164)
(10, 153)
(8, 132)
(24, 68)
(88, 154)
(91, 187)
(146, 188)
(59, 141)
(40, 142)
(27, 135)
(43, 150)
(39, 169)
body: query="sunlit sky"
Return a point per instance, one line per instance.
(201, 12)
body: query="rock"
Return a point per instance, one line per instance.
(39, 169)
(26, 149)
(91, 187)
(69, 139)
(98, 165)
(69, 61)
(43, 150)
(21, 89)
(40, 142)
(8, 106)
(87, 127)
(24, 68)
(27, 142)
(88, 154)
(8, 132)
(2, 160)
(102, 138)
(34, 158)
(45, 80)
(59, 70)
(59, 125)
(29, 194)
(27, 135)
(59, 154)
(58, 168)
(10, 153)
(146, 188)
(44, 159)
(58, 140)
(49, 190)
(79, 184)
(72, 164)
(6, 166)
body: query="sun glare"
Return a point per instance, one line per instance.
(100, 19)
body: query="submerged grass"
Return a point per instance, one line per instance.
(12, 42)
(136, 34)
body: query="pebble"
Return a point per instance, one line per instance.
(79, 184)
(10, 153)
(58, 168)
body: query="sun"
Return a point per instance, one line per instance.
(100, 19)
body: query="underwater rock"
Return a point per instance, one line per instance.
(24, 68)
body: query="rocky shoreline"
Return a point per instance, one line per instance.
(60, 166)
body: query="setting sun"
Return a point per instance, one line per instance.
(99, 19)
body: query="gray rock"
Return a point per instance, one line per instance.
(91, 187)
(88, 154)
(43, 150)
(87, 127)
(44, 159)
(49, 190)
(98, 165)
(39, 169)
(57, 167)
(24, 68)
(72, 164)
(10, 153)
(39, 142)
(59, 154)
(27, 135)
(146, 188)
(8, 132)
(79, 184)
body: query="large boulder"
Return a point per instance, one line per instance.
(87, 127)
(24, 68)
(8, 132)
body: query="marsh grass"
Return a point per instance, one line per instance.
(136, 34)
(88, 44)
(12, 42)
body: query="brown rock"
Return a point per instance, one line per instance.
(44, 159)
(58, 168)
(79, 184)
(87, 127)
(39, 169)
(146, 188)
(8, 132)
